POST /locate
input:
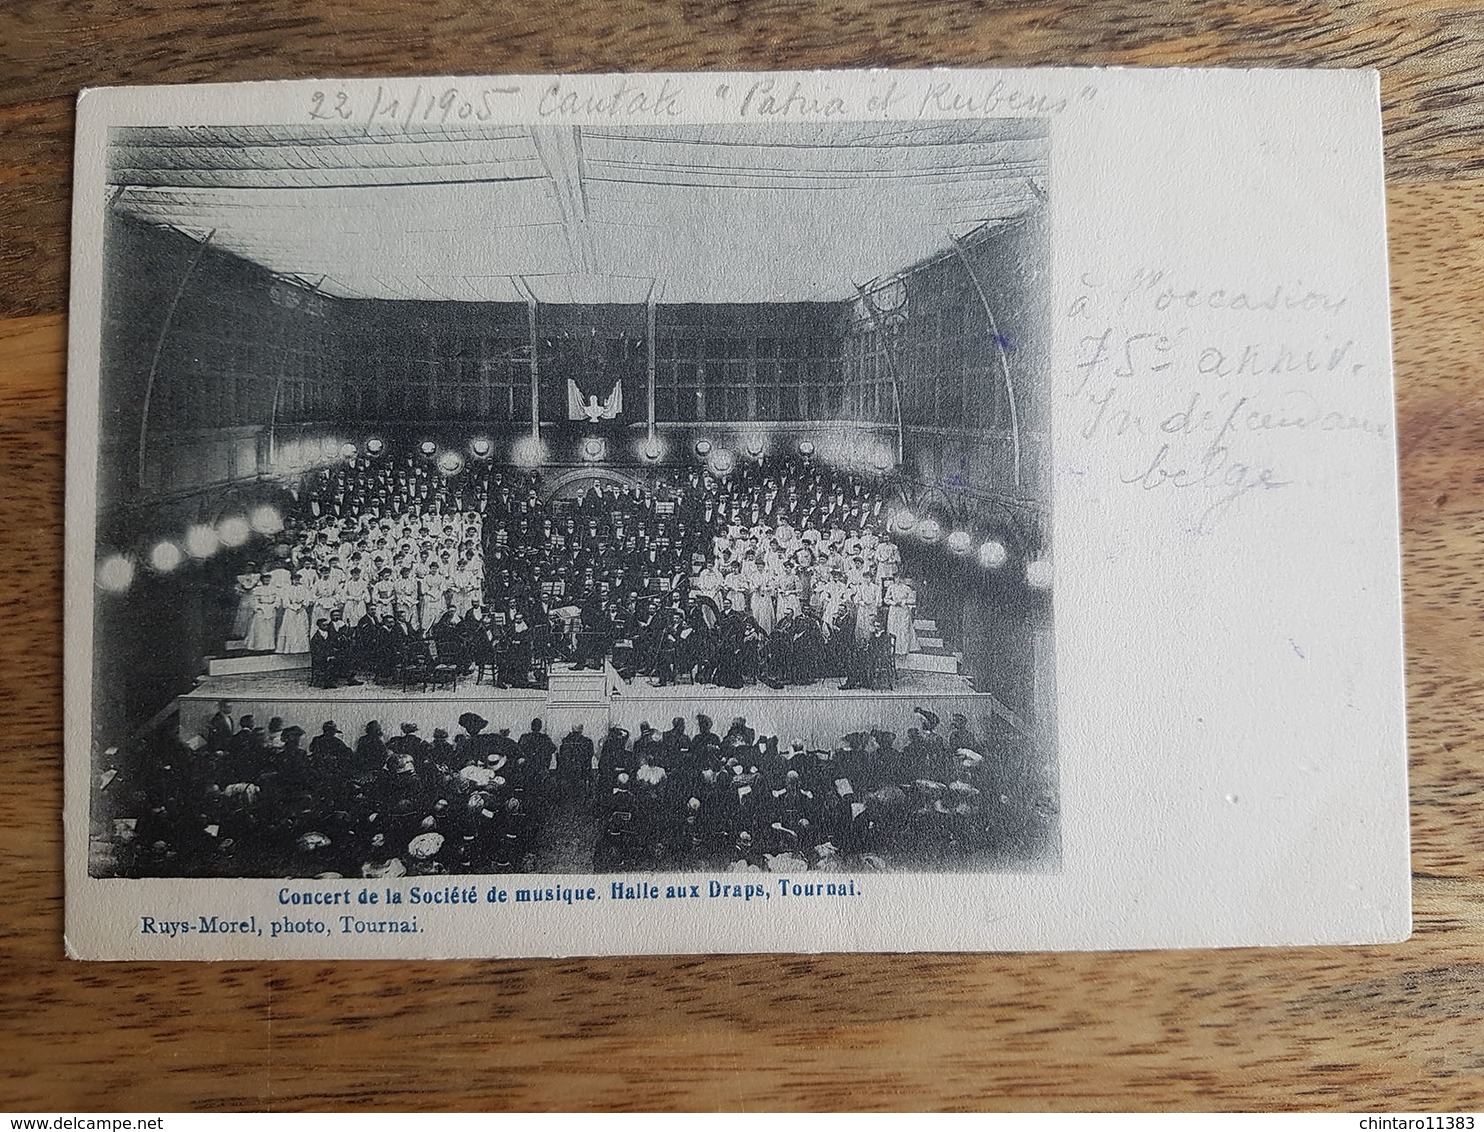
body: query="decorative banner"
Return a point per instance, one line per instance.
(589, 408)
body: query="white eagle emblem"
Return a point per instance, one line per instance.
(592, 410)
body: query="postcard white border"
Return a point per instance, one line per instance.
(1231, 711)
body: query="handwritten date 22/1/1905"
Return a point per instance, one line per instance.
(426, 106)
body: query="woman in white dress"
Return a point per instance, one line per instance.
(790, 599)
(357, 595)
(901, 608)
(293, 630)
(819, 586)
(433, 588)
(465, 589)
(867, 596)
(326, 599)
(734, 591)
(764, 609)
(707, 583)
(261, 632)
(308, 575)
(384, 595)
(406, 593)
(888, 560)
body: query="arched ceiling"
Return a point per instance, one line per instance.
(694, 214)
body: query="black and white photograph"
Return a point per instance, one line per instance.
(619, 498)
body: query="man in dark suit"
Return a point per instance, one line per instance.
(739, 734)
(515, 665)
(220, 727)
(869, 661)
(370, 755)
(649, 746)
(321, 656)
(448, 637)
(478, 643)
(676, 744)
(409, 743)
(574, 761)
(342, 663)
(614, 758)
(327, 746)
(596, 638)
(244, 756)
(400, 641)
(330, 765)
(537, 749)
(375, 642)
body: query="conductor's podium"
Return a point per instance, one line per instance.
(570, 686)
(581, 695)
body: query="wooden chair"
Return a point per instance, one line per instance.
(485, 663)
(417, 664)
(541, 646)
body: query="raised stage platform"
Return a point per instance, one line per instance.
(818, 713)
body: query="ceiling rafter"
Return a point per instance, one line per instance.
(704, 213)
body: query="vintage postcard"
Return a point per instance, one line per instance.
(889, 510)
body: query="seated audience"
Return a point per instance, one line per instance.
(687, 799)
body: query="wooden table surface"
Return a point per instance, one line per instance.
(1380, 1028)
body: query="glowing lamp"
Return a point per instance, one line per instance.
(450, 463)
(755, 447)
(201, 541)
(481, 447)
(930, 530)
(348, 451)
(992, 554)
(233, 530)
(703, 448)
(593, 449)
(266, 520)
(651, 450)
(328, 447)
(427, 448)
(721, 463)
(806, 448)
(960, 543)
(904, 520)
(165, 556)
(882, 459)
(375, 446)
(115, 574)
(1038, 574)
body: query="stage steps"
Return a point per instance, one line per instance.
(934, 656)
(256, 662)
(938, 660)
(928, 635)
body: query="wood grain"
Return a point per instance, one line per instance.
(1392, 1028)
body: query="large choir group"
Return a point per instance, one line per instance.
(370, 541)
(779, 572)
(259, 800)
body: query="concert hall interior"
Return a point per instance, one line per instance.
(445, 428)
